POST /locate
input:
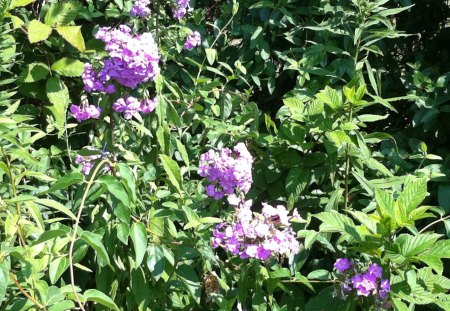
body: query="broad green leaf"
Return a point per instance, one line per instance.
(211, 55)
(414, 245)
(38, 31)
(335, 222)
(139, 236)
(33, 72)
(155, 260)
(19, 3)
(68, 67)
(66, 181)
(172, 170)
(95, 241)
(115, 188)
(99, 297)
(4, 280)
(57, 206)
(413, 194)
(57, 267)
(72, 34)
(4, 6)
(58, 94)
(50, 234)
(62, 13)
(297, 181)
(330, 97)
(190, 280)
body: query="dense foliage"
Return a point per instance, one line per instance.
(224, 155)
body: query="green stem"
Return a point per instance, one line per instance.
(74, 235)
(347, 164)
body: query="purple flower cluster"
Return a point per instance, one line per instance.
(253, 235)
(88, 161)
(368, 283)
(140, 8)
(134, 59)
(84, 112)
(227, 171)
(94, 82)
(180, 9)
(193, 40)
(132, 105)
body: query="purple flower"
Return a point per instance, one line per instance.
(342, 264)
(133, 59)
(365, 284)
(253, 235)
(88, 162)
(85, 112)
(93, 82)
(193, 40)
(140, 8)
(128, 106)
(385, 288)
(148, 105)
(180, 9)
(227, 171)
(375, 270)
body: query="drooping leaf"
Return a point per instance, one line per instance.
(99, 297)
(95, 241)
(139, 236)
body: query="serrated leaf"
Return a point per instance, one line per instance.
(38, 31)
(330, 97)
(33, 72)
(62, 13)
(68, 67)
(73, 35)
(297, 181)
(57, 93)
(413, 194)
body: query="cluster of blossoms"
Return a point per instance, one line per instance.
(132, 105)
(94, 82)
(84, 112)
(367, 283)
(193, 40)
(180, 9)
(140, 8)
(253, 235)
(134, 59)
(88, 161)
(227, 170)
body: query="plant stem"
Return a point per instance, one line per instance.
(75, 229)
(12, 180)
(24, 292)
(433, 223)
(347, 164)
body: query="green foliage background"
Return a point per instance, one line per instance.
(343, 103)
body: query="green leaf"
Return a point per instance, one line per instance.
(330, 97)
(211, 55)
(95, 241)
(414, 245)
(155, 260)
(139, 237)
(335, 222)
(66, 181)
(72, 34)
(68, 67)
(99, 297)
(115, 188)
(62, 13)
(19, 3)
(4, 280)
(56, 268)
(190, 280)
(58, 93)
(33, 72)
(38, 31)
(297, 181)
(57, 206)
(413, 194)
(4, 6)
(172, 170)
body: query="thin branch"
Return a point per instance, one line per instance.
(24, 292)
(75, 229)
(433, 223)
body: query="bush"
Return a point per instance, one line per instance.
(223, 155)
